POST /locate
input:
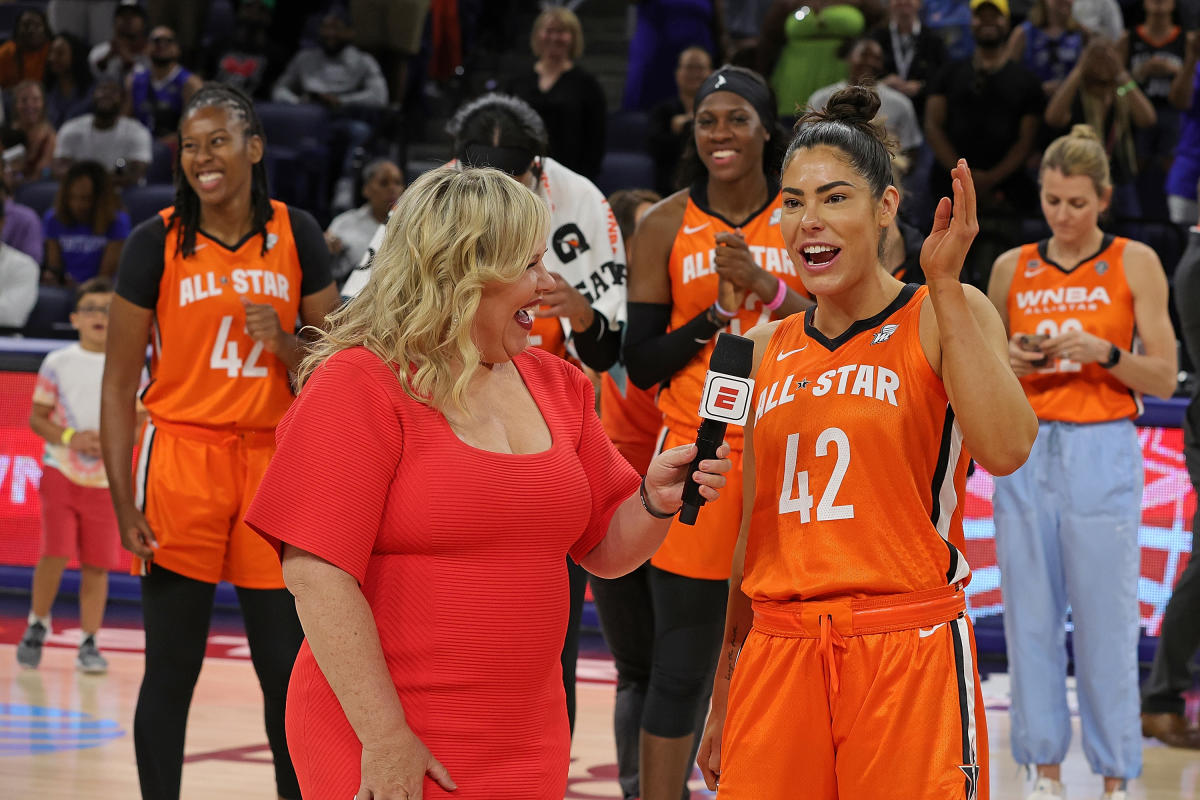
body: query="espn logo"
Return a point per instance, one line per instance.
(726, 398)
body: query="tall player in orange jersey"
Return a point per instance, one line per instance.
(855, 664)
(210, 284)
(1075, 304)
(709, 258)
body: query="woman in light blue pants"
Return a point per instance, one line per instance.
(1076, 305)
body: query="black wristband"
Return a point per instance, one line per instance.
(1114, 355)
(646, 504)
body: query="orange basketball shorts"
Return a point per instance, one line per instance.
(704, 550)
(194, 485)
(857, 700)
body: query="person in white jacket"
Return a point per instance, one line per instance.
(584, 249)
(19, 285)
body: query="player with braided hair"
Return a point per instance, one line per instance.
(209, 283)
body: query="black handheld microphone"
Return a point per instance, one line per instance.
(728, 390)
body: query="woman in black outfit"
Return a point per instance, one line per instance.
(567, 97)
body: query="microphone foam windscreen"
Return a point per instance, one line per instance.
(733, 355)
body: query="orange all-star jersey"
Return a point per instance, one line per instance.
(204, 368)
(692, 267)
(859, 463)
(1046, 299)
(547, 334)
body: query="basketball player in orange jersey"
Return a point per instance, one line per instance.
(1067, 522)
(855, 662)
(214, 284)
(709, 258)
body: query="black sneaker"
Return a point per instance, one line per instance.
(29, 651)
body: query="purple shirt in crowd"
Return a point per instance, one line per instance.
(23, 230)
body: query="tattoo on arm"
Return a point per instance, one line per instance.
(731, 653)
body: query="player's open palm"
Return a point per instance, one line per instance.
(954, 228)
(395, 769)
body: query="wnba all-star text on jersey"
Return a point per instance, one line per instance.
(867, 380)
(772, 259)
(244, 282)
(1063, 298)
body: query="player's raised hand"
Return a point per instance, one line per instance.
(955, 225)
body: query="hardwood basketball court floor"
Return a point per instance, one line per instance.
(67, 735)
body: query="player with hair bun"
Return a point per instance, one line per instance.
(1076, 305)
(709, 258)
(855, 662)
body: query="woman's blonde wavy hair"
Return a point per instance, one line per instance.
(451, 233)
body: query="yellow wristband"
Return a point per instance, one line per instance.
(67, 435)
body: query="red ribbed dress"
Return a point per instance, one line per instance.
(459, 553)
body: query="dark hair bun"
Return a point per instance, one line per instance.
(854, 105)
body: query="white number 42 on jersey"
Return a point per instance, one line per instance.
(225, 355)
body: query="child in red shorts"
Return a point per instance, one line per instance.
(77, 515)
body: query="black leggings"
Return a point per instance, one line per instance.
(577, 577)
(664, 631)
(177, 611)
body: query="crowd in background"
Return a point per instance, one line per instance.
(104, 83)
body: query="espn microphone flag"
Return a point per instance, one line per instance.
(728, 390)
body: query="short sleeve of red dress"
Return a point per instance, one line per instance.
(341, 438)
(611, 479)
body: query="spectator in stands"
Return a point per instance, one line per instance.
(22, 227)
(121, 145)
(391, 32)
(864, 65)
(912, 54)
(1163, 701)
(1100, 93)
(68, 80)
(1156, 53)
(77, 514)
(85, 228)
(117, 57)
(345, 81)
(254, 60)
(23, 58)
(986, 110)
(1100, 17)
(567, 97)
(743, 23)
(800, 46)
(1049, 43)
(349, 235)
(155, 96)
(85, 20)
(186, 18)
(670, 121)
(39, 134)
(1185, 169)
(18, 287)
(664, 29)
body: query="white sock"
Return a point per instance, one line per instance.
(44, 620)
(84, 636)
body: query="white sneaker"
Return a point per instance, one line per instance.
(1048, 789)
(1119, 794)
